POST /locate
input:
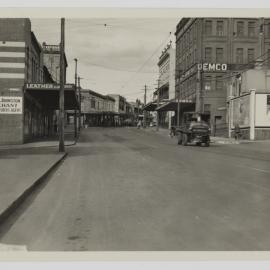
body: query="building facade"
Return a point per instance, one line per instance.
(166, 84)
(97, 109)
(208, 52)
(27, 103)
(249, 103)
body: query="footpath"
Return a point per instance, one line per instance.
(22, 168)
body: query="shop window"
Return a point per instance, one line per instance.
(239, 55)
(208, 54)
(220, 28)
(251, 55)
(240, 29)
(219, 55)
(208, 28)
(251, 29)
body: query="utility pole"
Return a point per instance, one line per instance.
(79, 87)
(144, 111)
(178, 107)
(75, 111)
(61, 91)
(157, 128)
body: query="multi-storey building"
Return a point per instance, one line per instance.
(208, 52)
(166, 84)
(51, 58)
(97, 109)
(27, 103)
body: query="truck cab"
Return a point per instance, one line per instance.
(194, 129)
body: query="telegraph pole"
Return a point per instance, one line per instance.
(61, 91)
(178, 108)
(157, 128)
(75, 111)
(144, 111)
(79, 87)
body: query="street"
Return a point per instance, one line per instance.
(127, 189)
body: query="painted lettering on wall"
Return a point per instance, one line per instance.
(10, 105)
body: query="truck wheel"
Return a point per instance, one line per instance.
(207, 144)
(179, 139)
(198, 144)
(185, 139)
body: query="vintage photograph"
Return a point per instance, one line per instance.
(135, 134)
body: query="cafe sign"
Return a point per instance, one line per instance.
(10, 105)
(212, 67)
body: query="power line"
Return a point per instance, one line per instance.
(148, 59)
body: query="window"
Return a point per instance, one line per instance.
(251, 29)
(207, 83)
(239, 56)
(208, 54)
(240, 29)
(219, 55)
(268, 57)
(220, 28)
(251, 55)
(219, 83)
(208, 28)
(93, 103)
(207, 107)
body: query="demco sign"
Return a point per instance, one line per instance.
(212, 67)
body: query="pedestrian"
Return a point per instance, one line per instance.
(139, 124)
(237, 131)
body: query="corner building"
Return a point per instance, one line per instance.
(208, 52)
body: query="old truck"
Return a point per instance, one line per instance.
(194, 129)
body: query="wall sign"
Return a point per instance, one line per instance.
(47, 86)
(10, 105)
(212, 67)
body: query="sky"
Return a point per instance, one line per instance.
(115, 56)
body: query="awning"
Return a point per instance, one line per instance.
(151, 106)
(171, 105)
(48, 95)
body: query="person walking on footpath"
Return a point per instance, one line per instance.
(139, 124)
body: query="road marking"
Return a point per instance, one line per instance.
(5, 247)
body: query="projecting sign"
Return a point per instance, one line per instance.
(212, 67)
(10, 105)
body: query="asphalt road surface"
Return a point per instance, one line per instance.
(123, 189)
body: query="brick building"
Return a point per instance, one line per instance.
(27, 104)
(208, 52)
